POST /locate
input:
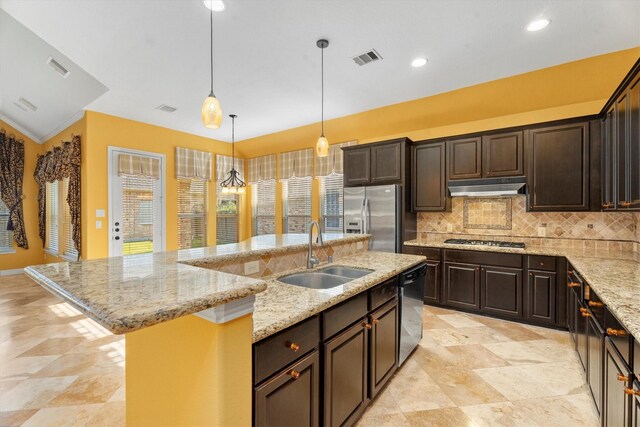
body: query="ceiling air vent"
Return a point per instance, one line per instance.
(27, 104)
(367, 57)
(57, 67)
(166, 108)
(20, 107)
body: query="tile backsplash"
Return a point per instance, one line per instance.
(616, 226)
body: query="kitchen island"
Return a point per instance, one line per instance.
(189, 326)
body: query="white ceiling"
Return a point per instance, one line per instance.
(267, 67)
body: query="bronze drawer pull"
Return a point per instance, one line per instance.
(293, 346)
(621, 377)
(583, 310)
(570, 272)
(573, 285)
(631, 392)
(585, 314)
(607, 205)
(367, 325)
(375, 321)
(625, 204)
(596, 304)
(295, 374)
(616, 332)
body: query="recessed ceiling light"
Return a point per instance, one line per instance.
(538, 24)
(418, 62)
(215, 5)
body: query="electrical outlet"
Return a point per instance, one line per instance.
(359, 245)
(251, 267)
(542, 231)
(449, 228)
(98, 225)
(99, 213)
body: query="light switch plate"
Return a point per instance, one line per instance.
(98, 225)
(251, 267)
(99, 213)
(449, 228)
(542, 231)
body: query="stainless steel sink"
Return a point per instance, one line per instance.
(325, 278)
(350, 272)
(314, 280)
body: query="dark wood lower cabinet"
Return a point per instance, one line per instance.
(501, 291)
(383, 359)
(635, 405)
(581, 334)
(432, 287)
(462, 285)
(595, 352)
(541, 297)
(616, 406)
(346, 376)
(292, 397)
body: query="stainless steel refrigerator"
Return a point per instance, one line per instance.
(381, 211)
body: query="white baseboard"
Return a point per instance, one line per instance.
(11, 272)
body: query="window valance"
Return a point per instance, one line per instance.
(333, 163)
(142, 166)
(296, 163)
(11, 172)
(193, 164)
(224, 165)
(262, 169)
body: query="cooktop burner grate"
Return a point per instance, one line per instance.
(497, 243)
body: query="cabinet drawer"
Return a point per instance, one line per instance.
(544, 263)
(595, 304)
(430, 253)
(275, 352)
(619, 336)
(383, 293)
(339, 317)
(483, 258)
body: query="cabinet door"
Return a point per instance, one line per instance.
(429, 187)
(432, 287)
(357, 166)
(595, 352)
(503, 155)
(616, 404)
(291, 397)
(346, 375)
(572, 309)
(558, 168)
(462, 285)
(384, 346)
(608, 160)
(581, 334)
(634, 145)
(501, 291)
(635, 406)
(622, 150)
(541, 297)
(465, 158)
(386, 163)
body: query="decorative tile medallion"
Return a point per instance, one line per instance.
(487, 213)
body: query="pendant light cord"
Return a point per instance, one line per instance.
(211, 45)
(322, 86)
(233, 142)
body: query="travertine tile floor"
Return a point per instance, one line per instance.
(58, 368)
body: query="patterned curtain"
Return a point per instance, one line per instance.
(11, 176)
(57, 164)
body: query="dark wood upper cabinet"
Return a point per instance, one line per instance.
(386, 163)
(503, 155)
(541, 297)
(558, 167)
(428, 180)
(501, 291)
(622, 145)
(291, 397)
(357, 166)
(465, 158)
(634, 145)
(384, 346)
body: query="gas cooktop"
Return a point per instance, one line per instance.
(517, 245)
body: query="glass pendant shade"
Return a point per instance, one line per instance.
(211, 112)
(322, 147)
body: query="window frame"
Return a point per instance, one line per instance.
(286, 217)
(225, 216)
(323, 202)
(6, 234)
(256, 190)
(55, 194)
(204, 215)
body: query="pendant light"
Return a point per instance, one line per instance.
(322, 146)
(233, 184)
(211, 109)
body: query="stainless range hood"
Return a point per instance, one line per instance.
(487, 187)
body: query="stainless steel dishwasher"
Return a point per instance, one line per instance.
(410, 296)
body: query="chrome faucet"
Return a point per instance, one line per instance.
(311, 259)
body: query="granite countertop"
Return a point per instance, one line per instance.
(125, 294)
(283, 305)
(613, 275)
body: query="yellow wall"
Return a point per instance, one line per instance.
(568, 90)
(104, 131)
(24, 257)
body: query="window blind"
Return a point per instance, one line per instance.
(331, 203)
(52, 219)
(5, 236)
(227, 214)
(192, 213)
(264, 207)
(297, 204)
(69, 248)
(137, 214)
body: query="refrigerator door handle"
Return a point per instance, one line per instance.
(367, 216)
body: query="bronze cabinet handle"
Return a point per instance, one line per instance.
(625, 204)
(596, 304)
(621, 377)
(631, 392)
(375, 321)
(293, 346)
(616, 332)
(585, 314)
(607, 205)
(367, 325)
(294, 374)
(583, 310)
(573, 285)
